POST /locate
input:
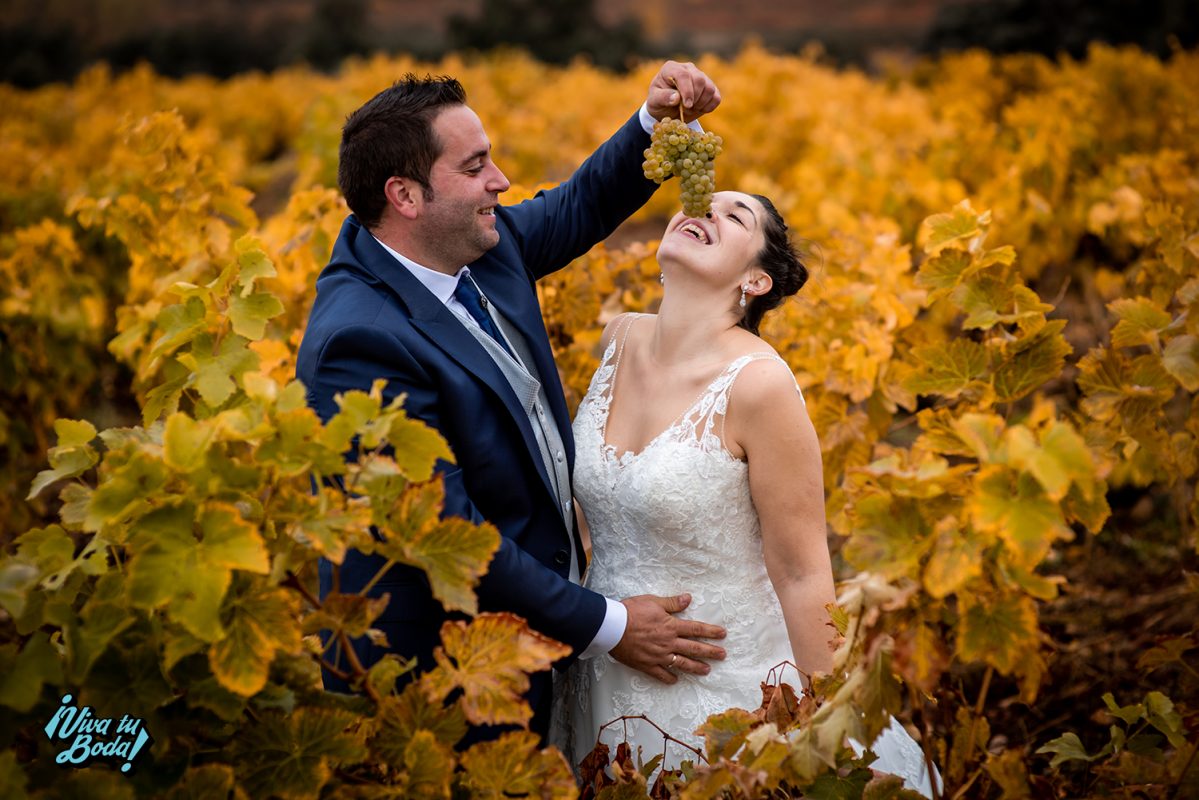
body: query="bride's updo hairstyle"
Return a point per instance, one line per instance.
(779, 259)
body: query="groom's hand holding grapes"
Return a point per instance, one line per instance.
(681, 83)
(656, 641)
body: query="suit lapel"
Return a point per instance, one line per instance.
(516, 300)
(439, 325)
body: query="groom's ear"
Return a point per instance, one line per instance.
(404, 195)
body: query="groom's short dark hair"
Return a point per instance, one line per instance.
(392, 135)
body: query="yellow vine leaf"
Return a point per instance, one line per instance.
(1141, 321)
(1014, 506)
(970, 736)
(352, 613)
(258, 623)
(403, 717)
(487, 659)
(331, 529)
(171, 567)
(944, 271)
(513, 766)
(253, 264)
(249, 314)
(981, 433)
(428, 768)
(72, 456)
(416, 447)
(811, 754)
(956, 558)
(453, 552)
(1101, 378)
(185, 441)
(961, 227)
(946, 369)
(940, 434)
(1181, 359)
(989, 301)
(1032, 362)
(920, 656)
(1060, 459)
(1000, 631)
(890, 536)
(1088, 505)
(724, 733)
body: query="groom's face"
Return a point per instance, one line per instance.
(466, 185)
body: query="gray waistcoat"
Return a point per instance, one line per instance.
(526, 384)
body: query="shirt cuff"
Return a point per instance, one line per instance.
(647, 122)
(611, 630)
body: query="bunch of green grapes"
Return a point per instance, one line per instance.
(678, 150)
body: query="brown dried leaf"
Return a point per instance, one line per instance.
(591, 770)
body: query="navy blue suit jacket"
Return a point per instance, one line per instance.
(373, 319)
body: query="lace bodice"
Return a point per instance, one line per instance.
(674, 517)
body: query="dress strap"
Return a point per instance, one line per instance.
(605, 376)
(716, 411)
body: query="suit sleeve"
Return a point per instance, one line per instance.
(558, 225)
(515, 581)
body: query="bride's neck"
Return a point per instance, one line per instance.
(689, 329)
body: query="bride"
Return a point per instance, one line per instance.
(699, 470)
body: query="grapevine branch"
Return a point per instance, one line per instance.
(293, 582)
(926, 738)
(978, 712)
(665, 736)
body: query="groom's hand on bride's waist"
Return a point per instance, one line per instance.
(660, 644)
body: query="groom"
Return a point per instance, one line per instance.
(431, 285)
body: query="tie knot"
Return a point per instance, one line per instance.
(472, 300)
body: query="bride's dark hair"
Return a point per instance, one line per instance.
(782, 261)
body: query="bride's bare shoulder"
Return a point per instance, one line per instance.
(766, 382)
(620, 325)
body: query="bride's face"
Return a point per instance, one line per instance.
(721, 246)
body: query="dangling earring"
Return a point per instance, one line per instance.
(742, 296)
(662, 278)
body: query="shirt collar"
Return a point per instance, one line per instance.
(441, 285)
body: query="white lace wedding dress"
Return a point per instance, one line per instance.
(677, 517)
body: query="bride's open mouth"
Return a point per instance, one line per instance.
(695, 231)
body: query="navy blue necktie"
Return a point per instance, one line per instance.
(472, 300)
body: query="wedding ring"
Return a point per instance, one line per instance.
(673, 658)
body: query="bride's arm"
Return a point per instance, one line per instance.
(767, 419)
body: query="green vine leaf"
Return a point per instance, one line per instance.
(258, 622)
(293, 757)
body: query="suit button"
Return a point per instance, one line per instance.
(562, 558)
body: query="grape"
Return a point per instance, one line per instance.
(677, 150)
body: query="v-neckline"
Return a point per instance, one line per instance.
(631, 455)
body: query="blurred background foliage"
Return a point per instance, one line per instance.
(43, 41)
